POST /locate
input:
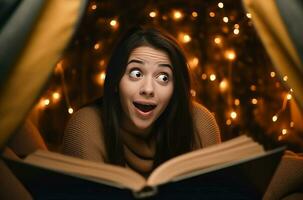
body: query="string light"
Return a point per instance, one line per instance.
(254, 101)
(237, 26)
(225, 19)
(289, 96)
(193, 92)
(114, 23)
(212, 14)
(194, 14)
(292, 124)
(204, 76)
(184, 37)
(237, 102)
(233, 115)
(284, 131)
(212, 77)
(248, 15)
(97, 46)
(223, 85)
(101, 78)
(228, 122)
(230, 54)
(272, 74)
(236, 31)
(177, 15)
(193, 63)
(94, 7)
(218, 40)
(220, 5)
(70, 110)
(46, 102)
(153, 14)
(274, 118)
(253, 88)
(285, 78)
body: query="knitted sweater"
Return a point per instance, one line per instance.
(83, 138)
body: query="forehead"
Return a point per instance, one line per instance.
(146, 53)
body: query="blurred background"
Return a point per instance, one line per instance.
(233, 75)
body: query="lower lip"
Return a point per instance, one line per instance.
(144, 114)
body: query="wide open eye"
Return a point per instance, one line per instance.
(135, 73)
(163, 78)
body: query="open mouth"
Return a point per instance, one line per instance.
(144, 107)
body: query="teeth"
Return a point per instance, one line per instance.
(144, 107)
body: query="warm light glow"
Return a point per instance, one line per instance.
(114, 23)
(212, 14)
(59, 67)
(46, 102)
(56, 95)
(102, 62)
(288, 96)
(218, 40)
(285, 78)
(292, 124)
(193, 63)
(194, 14)
(253, 88)
(233, 115)
(152, 14)
(230, 54)
(236, 31)
(284, 131)
(225, 19)
(70, 110)
(291, 90)
(101, 78)
(272, 74)
(177, 15)
(223, 85)
(248, 15)
(228, 122)
(204, 76)
(212, 77)
(254, 101)
(237, 102)
(220, 5)
(274, 118)
(186, 38)
(94, 7)
(97, 46)
(193, 92)
(237, 26)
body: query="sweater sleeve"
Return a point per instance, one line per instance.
(206, 126)
(83, 136)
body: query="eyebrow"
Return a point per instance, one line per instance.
(141, 62)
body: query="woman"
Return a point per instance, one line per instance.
(146, 115)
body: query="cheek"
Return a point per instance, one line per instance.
(166, 94)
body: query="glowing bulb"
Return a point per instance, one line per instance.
(225, 19)
(228, 122)
(292, 124)
(194, 14)
(233, 115)
(212, 77)
(253, 88)
(237, 102)
(194, 62)
(218, 40)
(46, 102)
(70, 110)
(236, 31)
(272, 74)
(212, 14)
(223, 85)
(193, 92)
(284, 131)
(237, 26)
(97, 46)
(186, 38)
(285, 78)
(230, 54)
(204, 76)
(248, 15)
(220, 5)
(56, 95)
(177, 15)
(274, 118)
(113, 22)
(152, 14)
(94, 7)
(254, 101)
(288, 96)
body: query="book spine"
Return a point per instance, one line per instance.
(146, 192)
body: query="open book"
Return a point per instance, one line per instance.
(242, 162)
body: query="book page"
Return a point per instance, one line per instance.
(99, 172)
(232, 150)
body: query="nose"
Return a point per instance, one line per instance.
(147, 88)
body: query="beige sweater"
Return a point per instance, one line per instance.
(83, 138)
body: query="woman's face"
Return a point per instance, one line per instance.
(145, 88)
